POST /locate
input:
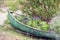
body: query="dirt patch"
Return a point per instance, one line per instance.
(7, 36)
(3, 15)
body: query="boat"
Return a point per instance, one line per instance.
(22, 27)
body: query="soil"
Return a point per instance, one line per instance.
(7, 36)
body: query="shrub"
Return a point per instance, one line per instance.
(42, 8)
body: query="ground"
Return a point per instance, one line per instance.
(8, 36)
(3, 15)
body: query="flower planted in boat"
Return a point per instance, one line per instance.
(44, 26)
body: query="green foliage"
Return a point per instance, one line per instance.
(35, 23)
(44, 26)
(12, 6)
(43, 8)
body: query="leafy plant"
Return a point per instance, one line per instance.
(44, 26)
(43, 8)
(38, 24)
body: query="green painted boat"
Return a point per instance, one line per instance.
(18, 25)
